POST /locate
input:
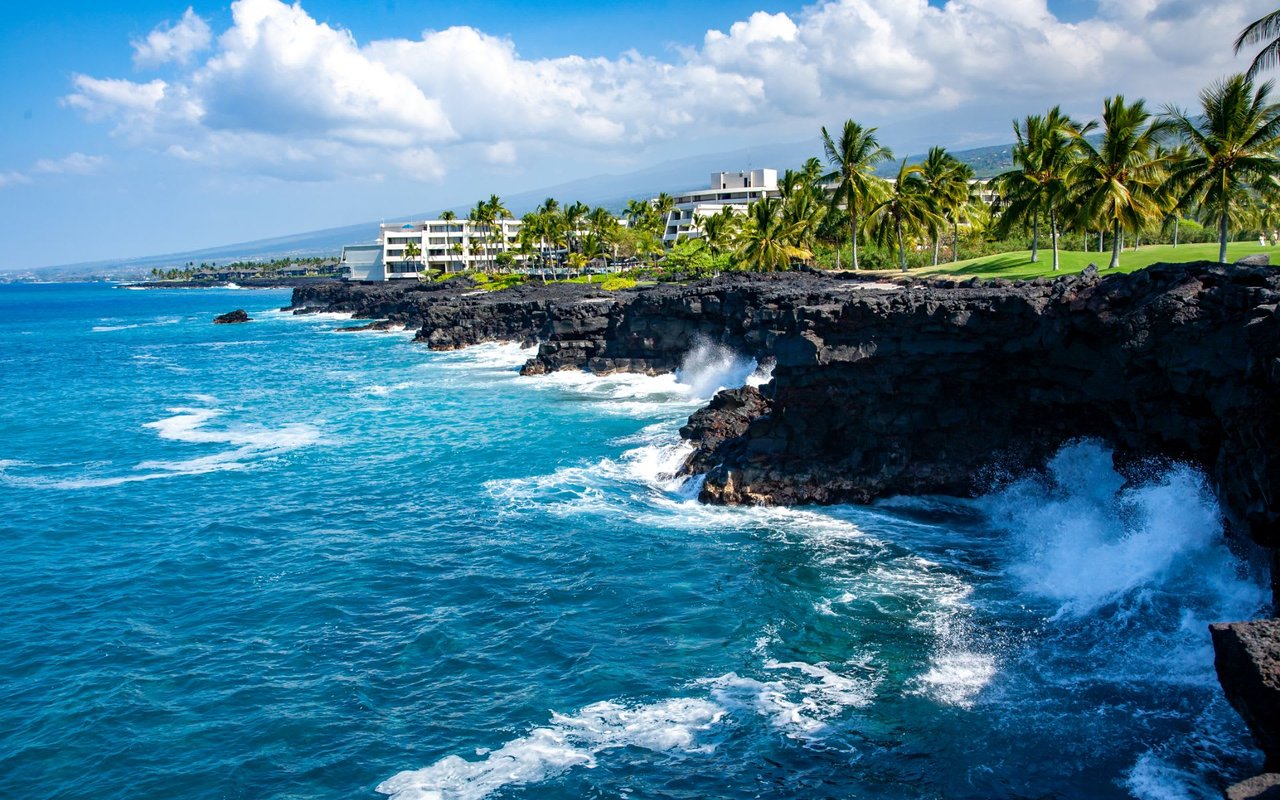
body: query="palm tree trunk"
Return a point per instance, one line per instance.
(937, 243)
(955, 241)
(1175, 230)
(1115, 246)
(1099, 240)
(1222, 238)
(1053, 235)
(853, 229)
(1035, 239)
(902, 249)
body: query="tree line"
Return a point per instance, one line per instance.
(314, 264)
(1131, 173)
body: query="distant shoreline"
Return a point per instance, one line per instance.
(246, 283)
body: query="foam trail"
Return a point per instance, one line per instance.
(567, 742)
(186, 425)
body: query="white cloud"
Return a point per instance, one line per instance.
(74, 164)
(173, 43)
(115, 97)
(285, 95)
(12, 179)
(500, 153)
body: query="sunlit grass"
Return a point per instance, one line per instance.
(1017, 265)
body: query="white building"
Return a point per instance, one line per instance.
(734, 189)
(447, 245)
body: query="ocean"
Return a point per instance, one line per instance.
(274, 561)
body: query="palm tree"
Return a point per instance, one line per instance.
(853, 159)
(769, 243)
(480, 224)
(1116, 183)
(719, 230)
(411, 252)
(575, 215)
(948, 182)
(1266, 29)
(495, 213)
(1167, 193)
(1232, 147)
(804, 210)
(448, 216)
(908, 209)
(1044, 154)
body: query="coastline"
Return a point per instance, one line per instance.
(936, 384)
(246, 283)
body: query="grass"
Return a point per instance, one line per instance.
(1017, 265)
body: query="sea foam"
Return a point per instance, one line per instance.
(568, 741)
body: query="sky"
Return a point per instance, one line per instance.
(154, 126)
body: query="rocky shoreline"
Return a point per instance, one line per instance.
(920, 387)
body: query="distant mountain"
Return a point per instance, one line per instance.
(610, 190)
(987, 162)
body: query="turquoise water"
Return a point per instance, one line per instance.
(272, 561)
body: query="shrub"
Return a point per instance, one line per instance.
(615, 283)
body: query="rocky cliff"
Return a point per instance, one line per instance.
(883, 389)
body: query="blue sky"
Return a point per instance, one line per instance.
(255, 118)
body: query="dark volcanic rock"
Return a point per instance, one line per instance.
(377, 325)
(1255, 260)
(726, 417)
(232, 317)
(883, 389)
(1247, 658)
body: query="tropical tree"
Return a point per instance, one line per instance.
(720, 229)
(803, 211)
(1232, 145)
(1167, 193)
(1037, 187)
(1266, 29)
(906, 210)
(769, 241)
(495, 213)
(577, 262)
(411, 252)
(1116, 183)
(574, 220)
(853, 158)
(948, 182)
(448, 216)
(481, 225)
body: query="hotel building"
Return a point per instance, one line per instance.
(733, 189)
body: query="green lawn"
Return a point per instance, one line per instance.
(1018, 265)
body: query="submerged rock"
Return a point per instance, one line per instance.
(232, 317)
(1247, 659)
